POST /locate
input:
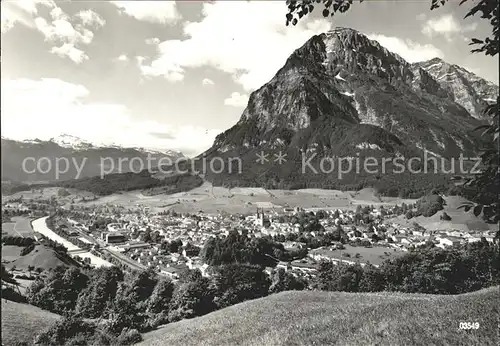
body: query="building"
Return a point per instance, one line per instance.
(113, 227)
(262, 220)
(448, 241)
(113, 238)
(38, 236)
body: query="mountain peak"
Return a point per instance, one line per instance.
(436, 60)
(70, 141)
(466, 88)
(341, 29)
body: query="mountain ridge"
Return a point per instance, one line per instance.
(466, 88)
(78, 153)
(327, 92)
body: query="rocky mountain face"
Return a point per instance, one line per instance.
(465, 88)
(342, 94)
(84, 159)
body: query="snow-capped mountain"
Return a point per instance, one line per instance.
(78, 144)
(71, 142)
(94, 158)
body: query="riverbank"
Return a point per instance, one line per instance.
(40, 226)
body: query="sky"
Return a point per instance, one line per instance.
(173, 75)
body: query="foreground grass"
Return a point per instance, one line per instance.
(337, 318)
(22, 322)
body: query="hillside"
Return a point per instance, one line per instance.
(84, 159)
(468, 90)
(336, 318)
(117, 183)
(41, 256)
(32, 319)
(460, 220)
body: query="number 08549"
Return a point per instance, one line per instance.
(468, 325)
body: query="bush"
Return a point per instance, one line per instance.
(67, 331)
(25, 277)
(445, 217)
(129, 337)
(27, 249)
(63, 193)
(10, 294)
(430, 205)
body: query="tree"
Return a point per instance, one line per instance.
(372, 280)
(282, 280)
(334, 277)
(235, 283)
(58, 291)
(161, 297)
(100, 292)
(192, 297)
(69, 331)
(445, 216)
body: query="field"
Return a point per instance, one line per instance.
(48, 192)
(20, 228)
(337, 318)
(209, 199)
(22, 322)
(460, 220)
(375, 255)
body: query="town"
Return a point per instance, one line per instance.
(171, 242)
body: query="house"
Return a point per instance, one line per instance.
(112, 238)
(38, 236)
(448, 241)
(304, 266)
(474, 239)
(113, 227)
(293, 245)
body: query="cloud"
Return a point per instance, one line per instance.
(21, 11)
(70, 51)
(68, 37)
(236, 100)
(421, 16)
(207, 81)
(90, 18)
(446, 26)
(172, 73)
(246, 39)
(162, 12)
(58, 30)
(162, 135)
(48, 107)
(61, 30)
(407, 49)
(153, 40)
(58, 13)
(123, 57)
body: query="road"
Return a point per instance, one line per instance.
(126, 260)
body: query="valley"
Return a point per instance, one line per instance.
(180, 173)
